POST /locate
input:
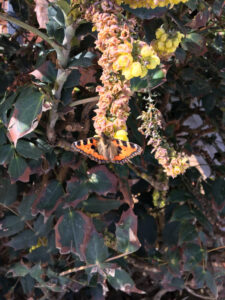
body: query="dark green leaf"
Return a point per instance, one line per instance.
(27, 283)
(178, 196)
(187, 233)
(182, 213)
(96, 204)
(193, 254)
(170, 233)
(72, 231)
(24, 208)
(23, 240)
(28, 150)
(6, 153)
(8, 191)
(96, 251)
(2, 135)
(211, 283)
(144, 13)
(174, 261)
(10, 225)
(122, 281)
(83, 59)
(218, 191)
(48, 199)
(18, 169)
(147, 230)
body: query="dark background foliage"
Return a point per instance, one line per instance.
(127, 230)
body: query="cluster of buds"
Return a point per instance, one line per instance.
(173, 162)
(114, 41)
(136, 62)
(166, 43)
(150, 3)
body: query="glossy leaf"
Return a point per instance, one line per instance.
(83, 59)
(28, 150)
(72, 231)
(26, 114)
(187, 233)
(96, 251)
(10, 225)
(96, 204)
(24, 240)
(126, 233)
(144, 13)
(122, 281)
(6, 153)
(48, 199)
(19, 169)
(8, 191)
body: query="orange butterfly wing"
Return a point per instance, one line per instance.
(126, 151)
(89, 148)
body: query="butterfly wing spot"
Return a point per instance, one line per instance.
(88, 147)
(126, 151)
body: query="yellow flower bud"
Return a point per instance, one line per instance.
(159, 32)
(146, 51)
(161, 45)
(163, 37)
(121, 135)
(176, 43)
(136, 69)
(169, 44)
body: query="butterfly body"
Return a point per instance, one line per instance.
(104, 149)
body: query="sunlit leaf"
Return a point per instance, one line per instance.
(126, 233)
(26, 114)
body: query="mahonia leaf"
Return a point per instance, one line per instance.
(72, 231)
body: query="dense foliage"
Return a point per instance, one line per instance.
(151, 228)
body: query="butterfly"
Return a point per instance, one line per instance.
(105, 149)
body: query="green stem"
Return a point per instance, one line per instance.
(34, 30)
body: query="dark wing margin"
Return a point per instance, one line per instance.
(88, 147)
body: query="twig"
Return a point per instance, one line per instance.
(93, 265)
(215, 249)
(157, 185)
(84, 101)
(58, 48)
(15, 213)
(197, 295)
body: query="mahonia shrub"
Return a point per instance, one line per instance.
(149, 74)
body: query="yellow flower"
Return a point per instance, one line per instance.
(144, 71)
(121, 135)
(123, 61)
(126, 72)
(154, 62)
(146, 51)
(136, 69)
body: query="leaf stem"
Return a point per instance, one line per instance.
(58, 48)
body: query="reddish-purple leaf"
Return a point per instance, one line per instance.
(199, 20)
